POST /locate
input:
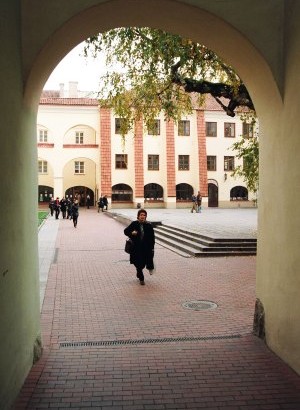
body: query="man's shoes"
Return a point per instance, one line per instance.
(151, 271)
(142, 282)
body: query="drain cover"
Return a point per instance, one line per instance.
(199, 305)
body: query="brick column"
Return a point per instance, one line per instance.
(202, 157)
(105, 152)
(139, 161)
(170, 149)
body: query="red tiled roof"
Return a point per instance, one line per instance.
(210, 103)
(69, 101)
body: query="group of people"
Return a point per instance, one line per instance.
(68, 208)
(102, 203)
(196, 203)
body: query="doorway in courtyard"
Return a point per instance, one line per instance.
(81, 193)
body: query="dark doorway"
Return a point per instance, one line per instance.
(80, 192)
(45, 193)
(213, 195)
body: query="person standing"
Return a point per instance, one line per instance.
(75, 212)
(88, 201)
(105, 202)
(194, 203)
(100, 203)
(51, 206)
(63, 207)
(199, 202)
(57, 207)
(142, 234)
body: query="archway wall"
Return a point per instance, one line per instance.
(32, 50)
(278, 265)
(19, 285)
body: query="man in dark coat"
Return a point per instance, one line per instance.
(142, 234)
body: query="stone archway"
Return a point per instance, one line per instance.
(265, 56)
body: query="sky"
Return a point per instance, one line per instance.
(75, 67)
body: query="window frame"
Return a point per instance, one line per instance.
(210, 135)
(42, 167)
(79, 137)
(248, 130)
(121, 159)
(211, 160)
(79, 167)
(184, 128)
(43, 135)
(155, 128)
(153, 162)
(183, 165)
(226, 128)
(229, 163)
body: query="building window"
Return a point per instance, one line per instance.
(78, 137)
(154, 129)
(119, 123)
(183, 162)
(211, 129)
(42, 167)
(79, 167)
(247, 130)
(184, 128)
(43, 136)
(211, 163)
(229, 130)
(228, 163)
(121, 161)
(153, 162)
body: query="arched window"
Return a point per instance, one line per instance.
(153, 192)
(121, 193)
(239, 193)
(184, 192)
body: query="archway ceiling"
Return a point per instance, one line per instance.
(75, 22)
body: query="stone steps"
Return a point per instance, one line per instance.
(190, 243)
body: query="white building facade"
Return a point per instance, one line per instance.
(82, 152)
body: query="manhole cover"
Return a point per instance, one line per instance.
(199, 305)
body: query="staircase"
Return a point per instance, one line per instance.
(189, 243)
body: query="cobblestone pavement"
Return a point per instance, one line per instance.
(110, 343)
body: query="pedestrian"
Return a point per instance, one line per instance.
(51, 206)
(75, 212)
(105, 202)
(194, 203)
(63, 207)
(199, 202)
(142, 234)
(88, 201)
(69, 208)
(100, 204)
(57, 207)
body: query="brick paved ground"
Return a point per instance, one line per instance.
(158, 354)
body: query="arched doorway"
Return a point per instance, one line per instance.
(45, 193)
(213, 194)
(184, 192)
(80, 192)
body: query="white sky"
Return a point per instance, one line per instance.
(75, 67)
